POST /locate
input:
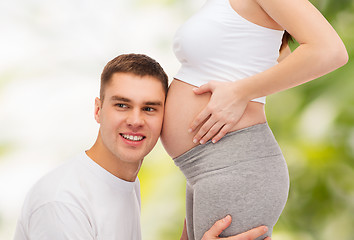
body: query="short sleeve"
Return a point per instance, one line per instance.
(59, 221)
(19, 233)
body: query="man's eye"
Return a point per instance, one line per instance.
(121, 105)
(149, 109)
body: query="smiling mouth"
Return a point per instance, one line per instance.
(132, 138)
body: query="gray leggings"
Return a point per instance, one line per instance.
(244, 175)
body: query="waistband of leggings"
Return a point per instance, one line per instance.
(196, 149)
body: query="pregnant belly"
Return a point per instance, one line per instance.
(182, 106)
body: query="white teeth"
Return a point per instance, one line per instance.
(132, 138)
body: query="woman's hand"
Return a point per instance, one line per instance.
(224, 110)
(219, 226)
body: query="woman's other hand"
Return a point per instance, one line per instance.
(224, 110)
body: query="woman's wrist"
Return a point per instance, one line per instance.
(243, 90)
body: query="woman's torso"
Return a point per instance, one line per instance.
(182, 105)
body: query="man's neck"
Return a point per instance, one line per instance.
(125, 171)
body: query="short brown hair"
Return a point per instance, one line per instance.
(138, 64)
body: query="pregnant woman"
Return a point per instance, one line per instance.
(215, 126)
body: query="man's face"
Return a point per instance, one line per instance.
(131, 116)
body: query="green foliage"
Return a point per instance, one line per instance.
(331, 8)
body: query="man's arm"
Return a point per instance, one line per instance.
(58, 220)
(219, 226)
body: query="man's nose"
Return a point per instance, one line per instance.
(135, 118)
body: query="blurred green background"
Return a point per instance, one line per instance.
(52, 53)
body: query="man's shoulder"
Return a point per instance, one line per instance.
(58, 185)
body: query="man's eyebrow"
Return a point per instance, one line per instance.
(157, 103)
(118, 98)
(127, 100)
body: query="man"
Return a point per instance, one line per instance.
(97, 194)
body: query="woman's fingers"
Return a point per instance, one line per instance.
(204, 130)
(202, 116)
(212, 132)
(250, 235)
(203, 89)
(223, 131)
(216, 132)
(220, 225)
(215, 126)
(220, 115)
(217, 228)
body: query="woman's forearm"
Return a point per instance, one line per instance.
(321, 50)
(306, 63)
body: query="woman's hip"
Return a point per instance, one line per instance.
(247, 152)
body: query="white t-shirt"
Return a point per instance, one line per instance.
(81, 200)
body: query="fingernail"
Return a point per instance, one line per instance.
(195, 140)
(227, 218)
(190, 130)
(265, 229)
(201, 141)
(195, 89)
(213, 141)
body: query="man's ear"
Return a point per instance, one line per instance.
(98, 106)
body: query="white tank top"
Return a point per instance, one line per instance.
(218, 44)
